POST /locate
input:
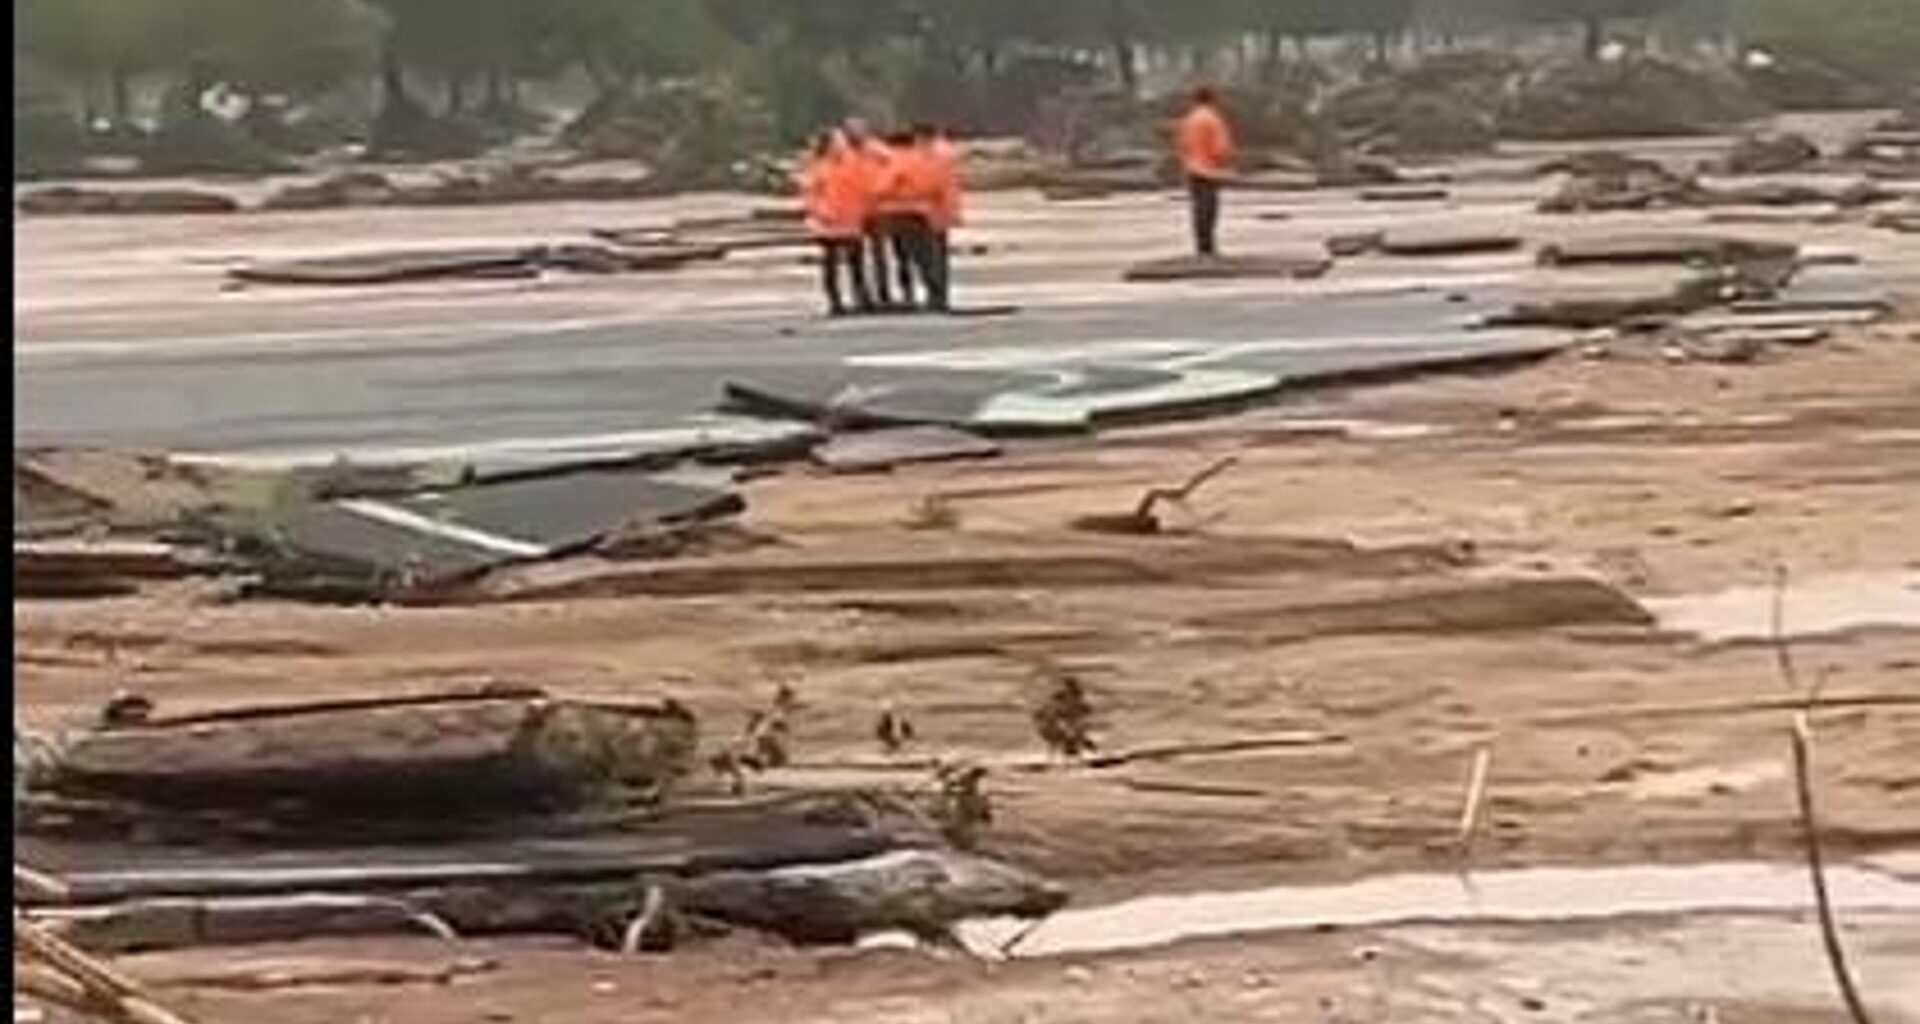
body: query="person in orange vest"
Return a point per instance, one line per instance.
(901, 201)
(1204, 142)
(876, 161)
(833, 191)
(948, 203)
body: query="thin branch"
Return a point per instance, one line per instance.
(1476, 800)
(1802, 739)
(1181, 493)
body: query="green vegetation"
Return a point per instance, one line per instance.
(438, 77)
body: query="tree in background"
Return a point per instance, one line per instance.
(1875, 37)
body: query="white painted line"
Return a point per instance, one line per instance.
(395, 516)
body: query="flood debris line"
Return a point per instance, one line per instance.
(510, 262)
(481, 186)
(258, 824)
(67, 200)
(1603, 181)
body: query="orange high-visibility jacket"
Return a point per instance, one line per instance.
(885, 170)
(834, 194)
(1205, 143)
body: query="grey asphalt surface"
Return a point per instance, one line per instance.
(125, 336)
(645, 376)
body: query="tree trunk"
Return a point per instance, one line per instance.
(1127, 63)
(1593, 37)
(1270, 53)
(393, 82)
(120, 94)
(456, 95)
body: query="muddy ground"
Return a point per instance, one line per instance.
(1371, 581)
(1662, 480)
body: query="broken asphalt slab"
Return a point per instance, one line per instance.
(1067, 400)
(394, 547)
(394, 267)
(1299, 266)
(1662, 248)
(1078, 397)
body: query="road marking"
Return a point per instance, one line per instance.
(393, 515)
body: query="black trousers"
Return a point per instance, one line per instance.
(836, 255)
(879, 246)
(1203, 196)
(925, 250)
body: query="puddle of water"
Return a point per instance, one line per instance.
(1815, 607)
(1521, 895)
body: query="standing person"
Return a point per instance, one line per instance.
(1204, 142)
(902, 207)
(874, 159)
(942, 165)
(833, 191)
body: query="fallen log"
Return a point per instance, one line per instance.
(467, 754)
(676, 848)
(923, 891)
(178, 922)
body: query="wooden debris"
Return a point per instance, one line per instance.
(1475, 802)
(383, 758)
(69, 973)
(1142, 520)
(264, 975)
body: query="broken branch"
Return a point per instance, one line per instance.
(1802, 742)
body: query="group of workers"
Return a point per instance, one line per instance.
(882, 208)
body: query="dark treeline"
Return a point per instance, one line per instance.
(310, 73)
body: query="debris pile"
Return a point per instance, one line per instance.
(551, 815)
(693, 134)
(1445, 106)
(1603, 181)
(1769, 154)
(511, 183)
(1642, 96)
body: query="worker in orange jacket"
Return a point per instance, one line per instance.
(938, 188)
(943, 164)
(1204, 142)
(833, 189)
(878, 164)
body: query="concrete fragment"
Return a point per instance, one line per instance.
(1442, 242)
(1662, 248)
(1192, 268)
(1404, 194)
(393, 267)
(1769, 154)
